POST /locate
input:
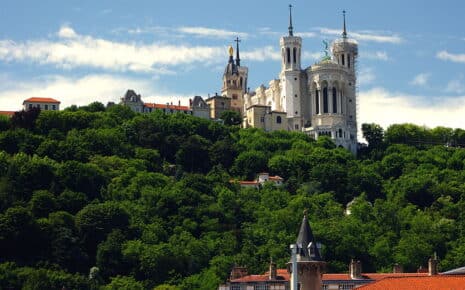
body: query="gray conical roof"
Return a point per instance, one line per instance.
(304, 239)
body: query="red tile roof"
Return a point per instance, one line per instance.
(165, 106)
(7, 113)
(245, 182)
(275, 178)
(416, 283)
(331, 277)
(41, 100)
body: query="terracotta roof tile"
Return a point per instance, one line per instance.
(7, 113)
(165, 106)
(41, 100)
(416, 283)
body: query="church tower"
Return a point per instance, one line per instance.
(345, 53)
(235, 80)
(291, 77)
(306, 266)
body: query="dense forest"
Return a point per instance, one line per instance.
(104, 198)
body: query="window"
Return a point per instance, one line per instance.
(325, 100)
(241, 81)
(348, 60)
(54, 107)
(334, 100)
(340, 133)
(295, 96)
(343, 60)
(234, 97)
(46, 107)
(278, 119)
(30, 106)
(235, 287)
(294, 54)
(296, 126)
(317, 102)
(260, 287)
(346, 286)
(262, 119)
(288, 52)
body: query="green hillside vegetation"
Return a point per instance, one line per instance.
(96, 198)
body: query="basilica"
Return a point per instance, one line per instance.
(319, 100)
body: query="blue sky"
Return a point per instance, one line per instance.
(411, 53)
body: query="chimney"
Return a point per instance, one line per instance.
(355, 269)
(238, 272)
(273, 272)
(397, 268)
(433, 265)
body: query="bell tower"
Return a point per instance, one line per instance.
(306, 266)
(235, 79)
(291, 76)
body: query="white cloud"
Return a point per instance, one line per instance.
(445, 55)
(456, 86)
(366, 36)
(420, 79)
(366, 76)
(307, 55)
(306, 34)
(66, 32)
(210, 32)
(74, 50)
(82, 91)
(262, 54)
(378, 55)
(385, 108)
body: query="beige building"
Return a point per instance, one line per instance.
(45, 104)
(261, 116)
(319, 99)
(218, 104)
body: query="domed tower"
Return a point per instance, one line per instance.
(345, 53)
(306, 266)
(291, 77)
(235, 79)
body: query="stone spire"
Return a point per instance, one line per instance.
(238, 60)
(307, 247)
(344, 30)
(291, 29)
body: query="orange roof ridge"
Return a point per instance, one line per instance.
(41, 100)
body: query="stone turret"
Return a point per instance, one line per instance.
(306, 260)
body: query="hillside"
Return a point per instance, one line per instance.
(147, 199)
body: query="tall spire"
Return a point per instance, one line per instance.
(344, 31)
(238, 60)
(291, 33)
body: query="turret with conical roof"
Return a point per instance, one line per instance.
(309, 264)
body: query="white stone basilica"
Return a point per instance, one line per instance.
(319, 100)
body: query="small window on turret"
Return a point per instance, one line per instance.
(294, 54)
(288, 52)
(348, 60)
(342, 59)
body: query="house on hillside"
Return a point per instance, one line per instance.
(45, 104)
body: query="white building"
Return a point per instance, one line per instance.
(319, 99)
(45, 104)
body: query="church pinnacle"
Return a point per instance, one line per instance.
(291, 32)
(344, 31)
(238, 60)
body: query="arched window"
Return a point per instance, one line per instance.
(342, 59)
(294, 54)
(317, 102)
(240, 81)
(278, 119)
(288, 52)
(348, 60)
(325, 100)
(340, 133)
(334, 100)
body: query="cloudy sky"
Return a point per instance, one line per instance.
(411, 53)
